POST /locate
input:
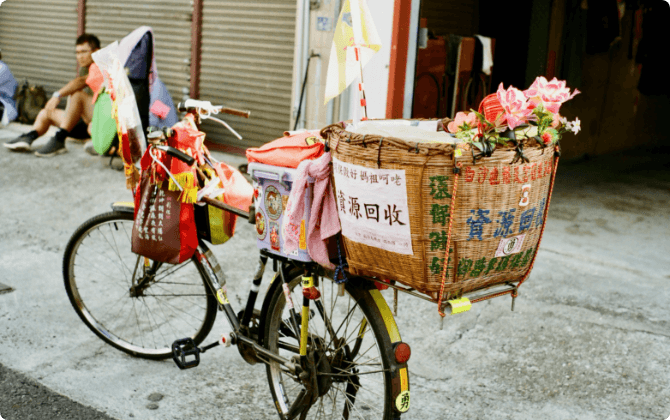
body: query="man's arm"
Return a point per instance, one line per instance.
(74, 85)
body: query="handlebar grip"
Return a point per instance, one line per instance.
(189, 160)
(237, 112)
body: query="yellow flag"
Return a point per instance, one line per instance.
(354, 27)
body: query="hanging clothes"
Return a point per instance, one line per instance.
(8, 85)
(324, 221)
(137, 51)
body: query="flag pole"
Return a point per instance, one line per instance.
(361, 87)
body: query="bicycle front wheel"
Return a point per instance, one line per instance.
(351, 346)
(137, 305)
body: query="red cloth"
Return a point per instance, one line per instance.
(288, 151)
(94, 80)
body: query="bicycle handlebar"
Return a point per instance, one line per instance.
(206, 107)
(189, 160)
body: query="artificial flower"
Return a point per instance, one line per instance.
(547, 138)
(576, 126)
(515, 104)
(558, 120)
(463, 121)
(551, 94)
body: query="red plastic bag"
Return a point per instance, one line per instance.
(288, 151)
(238, 192)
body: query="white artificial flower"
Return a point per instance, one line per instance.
(576, 126)
(563, 121)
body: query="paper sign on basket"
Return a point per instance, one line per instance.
(372, 205)
(509, 246)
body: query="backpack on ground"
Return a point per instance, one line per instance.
(30, 100)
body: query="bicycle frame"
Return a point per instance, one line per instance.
(241, 328)
(249, 337)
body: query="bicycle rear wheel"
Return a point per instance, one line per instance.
(136, 305)
(353, 352)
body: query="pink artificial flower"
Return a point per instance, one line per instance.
(516, 105)
(462, 118)
(550, 94)
(556, 121)
(547, 138)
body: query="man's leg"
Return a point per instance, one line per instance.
(76, 108)
(44, 120)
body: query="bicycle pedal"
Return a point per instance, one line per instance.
(181, 349)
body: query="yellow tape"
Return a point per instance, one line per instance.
(302, 244)
(123, 204)
(221, 297)
(304, 333)
(460, 305)
(364, 325)
(307, 282)
(387, 315)
(404, 380)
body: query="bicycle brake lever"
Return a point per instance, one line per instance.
(183, 348)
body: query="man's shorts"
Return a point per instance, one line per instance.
(80, 131)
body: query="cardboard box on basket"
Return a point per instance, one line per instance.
(273, 186)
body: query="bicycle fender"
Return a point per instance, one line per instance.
(123, 206)
(400, 376)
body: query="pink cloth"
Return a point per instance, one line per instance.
(324, 221)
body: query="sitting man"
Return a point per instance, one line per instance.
(74, 120)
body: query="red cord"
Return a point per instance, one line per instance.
(446, 253)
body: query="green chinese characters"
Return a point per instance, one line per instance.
(483, 266)
(439, 212)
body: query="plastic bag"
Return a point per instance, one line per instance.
(129, 123)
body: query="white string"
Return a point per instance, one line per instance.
(166, 169)
(225, 124)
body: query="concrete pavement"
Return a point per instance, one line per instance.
(588, 339)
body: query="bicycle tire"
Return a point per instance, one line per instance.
(357, 312)
(98, 268)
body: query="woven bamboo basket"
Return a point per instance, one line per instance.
(492, 219)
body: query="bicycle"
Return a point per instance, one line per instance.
(341, 354)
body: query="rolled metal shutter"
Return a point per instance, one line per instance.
(247, 63)
(37, 38)
(171, 23)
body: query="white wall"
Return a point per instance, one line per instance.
(375, 74)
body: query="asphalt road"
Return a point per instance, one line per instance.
(26, 399)
(588, 339)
